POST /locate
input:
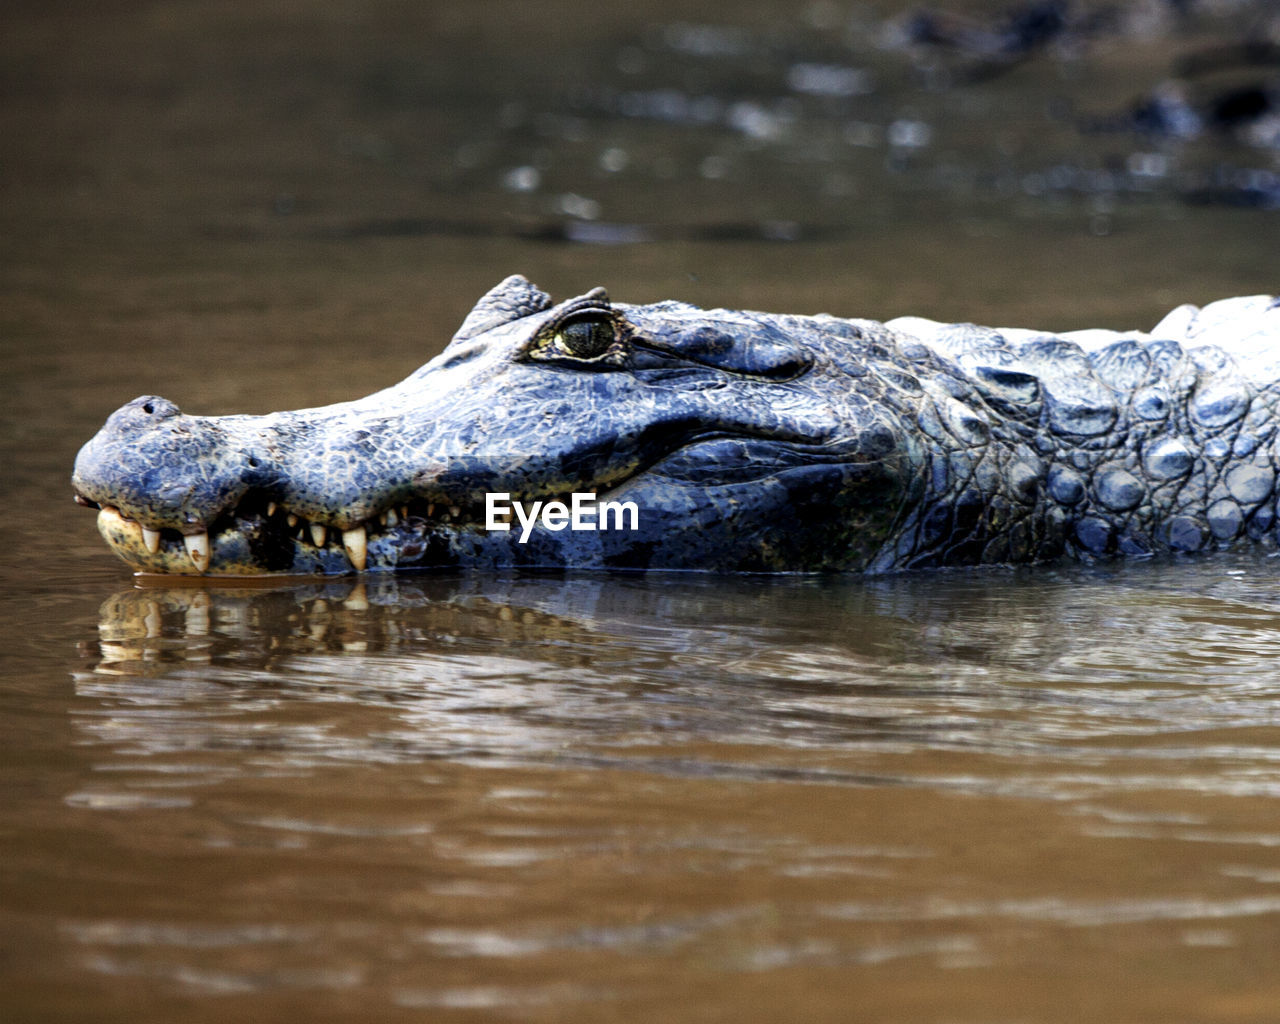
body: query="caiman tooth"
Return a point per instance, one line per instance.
(151, 538)
(197, 545)
(356, 542)
(133, 527)
(292, 520)
(271, 509)
(431, 509)
(390, 518)
(318, 534)
(455, 511)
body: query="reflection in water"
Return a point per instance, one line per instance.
(631, 669)
(539, 795)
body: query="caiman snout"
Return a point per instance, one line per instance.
(230, 494)
(152, 469)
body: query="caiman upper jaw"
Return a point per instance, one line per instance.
(191, 495)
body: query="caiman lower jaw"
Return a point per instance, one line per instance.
(261, 537)
(234, 547)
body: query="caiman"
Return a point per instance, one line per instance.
(667, 436)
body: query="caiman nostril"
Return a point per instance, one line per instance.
(153, 405)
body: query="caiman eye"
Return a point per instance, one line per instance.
(587, 339)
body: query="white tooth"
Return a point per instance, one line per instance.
(455, 511)
(431, 509)
(151, 538)
(390, 517)
(197, 620)
(317, 534)
(356, 542)
(271, 509)
(198, 548)
(292, 520)
(152, 622)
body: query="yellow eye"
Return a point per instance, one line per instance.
(586, 338)
(589, 335)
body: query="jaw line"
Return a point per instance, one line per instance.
(233, 541)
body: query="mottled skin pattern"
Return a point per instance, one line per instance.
(748, 442)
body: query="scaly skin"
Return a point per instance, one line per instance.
(747, 442)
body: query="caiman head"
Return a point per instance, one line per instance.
(694, 439)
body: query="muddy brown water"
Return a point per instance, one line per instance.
(1044, 794)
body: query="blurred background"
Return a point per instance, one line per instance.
(233, 196)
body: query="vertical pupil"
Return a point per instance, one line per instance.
(588, 338)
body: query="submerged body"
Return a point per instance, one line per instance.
(722, 441)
